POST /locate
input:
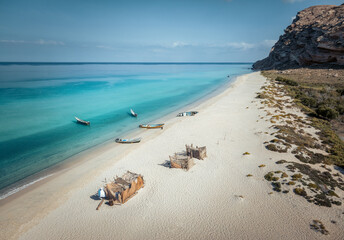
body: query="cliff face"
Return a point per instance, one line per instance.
(315, 39)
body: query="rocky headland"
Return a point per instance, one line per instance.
(314, 39)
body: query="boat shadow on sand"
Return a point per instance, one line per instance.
(95, 197)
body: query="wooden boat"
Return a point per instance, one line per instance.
(125, 140)
(183, 114)
(78, 120)
(151, 126)
(133, 113)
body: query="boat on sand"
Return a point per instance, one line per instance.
(183, 114)
(152, 126)
(78, 120)
(126, 140)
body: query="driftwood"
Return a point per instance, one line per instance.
(100, 204)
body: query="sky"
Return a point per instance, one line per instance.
(144, 30)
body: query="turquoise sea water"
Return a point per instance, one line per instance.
(38, 103)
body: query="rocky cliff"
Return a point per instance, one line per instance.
(314, 39)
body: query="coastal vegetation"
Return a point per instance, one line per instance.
(320, 94)
(307, 134)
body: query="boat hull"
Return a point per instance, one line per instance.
(127, 141)
(80, 121)
(152, 126)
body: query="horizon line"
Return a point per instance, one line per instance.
(61, 63)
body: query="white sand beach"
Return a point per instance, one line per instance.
(213, 200)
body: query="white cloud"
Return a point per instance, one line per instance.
(229, 45)
(39, 42)
(49, 42)
(268, 43)
(240, 45)
(105, 47)
(13, 41)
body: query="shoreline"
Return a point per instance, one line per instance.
(28, 183)
(222, 196)
(88, 157)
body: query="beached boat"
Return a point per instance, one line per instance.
(133, 113)
(125, 140)
(151, 126)
(78, 120)
(183, 114)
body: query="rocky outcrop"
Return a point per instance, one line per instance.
(314, 39)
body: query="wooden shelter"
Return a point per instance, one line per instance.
(123, 188)
(181, 161)
(196, 152)
(185, 159)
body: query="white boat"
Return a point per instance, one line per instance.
(133, 113)
(183, 114)
(125, 140)
(82, 121)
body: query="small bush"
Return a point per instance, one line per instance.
(318, 226)
(261, 165)
(276, 186)
(309, 101)
(269, 176)
(275, 178)
(249, 175)
(297, 176)
(300, 191)
(286, 81)
(327, 112)
(313, 185)
(332, 194)
(291, 183)
(281, 161)
(284, 175)
(246, 153)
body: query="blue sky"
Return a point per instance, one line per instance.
(144, 30)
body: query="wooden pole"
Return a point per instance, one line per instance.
(100, 204)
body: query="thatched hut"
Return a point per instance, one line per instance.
(123, 188)
(196, 152)
(181, 161)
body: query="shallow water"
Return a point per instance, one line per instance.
(38, 103)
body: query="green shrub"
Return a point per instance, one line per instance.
(313, 185)
(284, 175)
(300, 191)
(281, 161)
(286, 81)
(309, 101)
(332, 194)
(297, 176)
(291, 183)
(327, 112)
(269, 176)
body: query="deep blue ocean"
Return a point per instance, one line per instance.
(38, 103)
